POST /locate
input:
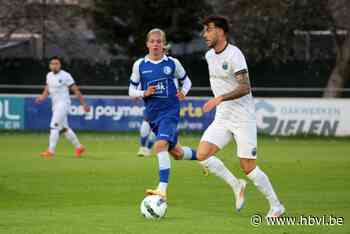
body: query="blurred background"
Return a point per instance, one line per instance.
(294, 48)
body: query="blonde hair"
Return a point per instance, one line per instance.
(157, 30)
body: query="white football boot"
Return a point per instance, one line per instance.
(144, 151)
(239, 194)
(276, 211)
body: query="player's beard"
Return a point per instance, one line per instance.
(56, 71)
(213, 43)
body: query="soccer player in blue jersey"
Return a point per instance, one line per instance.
(162, 83)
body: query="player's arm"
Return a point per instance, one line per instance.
(43, 95)
(242, 90)
(136, 92)
(186, 85)
(75, 89)
(184, 80)
(135, 86)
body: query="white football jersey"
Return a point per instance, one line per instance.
(58, 85)
(222, 68)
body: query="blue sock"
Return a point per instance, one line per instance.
(164, 175)
(194, 154)
(150, 144)
(189, 154)
(150, 140)
(143, 141)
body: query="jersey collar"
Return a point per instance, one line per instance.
(164, 58)
(57, 73)
(219, 52)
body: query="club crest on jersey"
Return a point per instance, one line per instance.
(225, 65)
(254, 152)
(167, 70)
(60, 81)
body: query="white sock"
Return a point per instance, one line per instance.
(150, 140)
(188, 153)
(164, 170)
(145, 130)
(263, 183)
(53, 139)
(217, 167)
(70, 135)
(162, 186)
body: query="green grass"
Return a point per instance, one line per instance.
(101, 192)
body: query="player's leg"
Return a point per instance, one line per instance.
(183, 153)
(145, 131)
(150, 140)
(56, 124)
(164, 131)
(215, 138)
(246, 139)
(161, 148)
(73, 139)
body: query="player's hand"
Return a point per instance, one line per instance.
(150, 90)
(40, 99)
(181, 96)
(87, 108)
(212, 103)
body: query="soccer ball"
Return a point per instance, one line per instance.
(153, 207)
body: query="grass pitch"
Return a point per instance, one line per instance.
(101, 192)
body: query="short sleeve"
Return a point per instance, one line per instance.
(135, 73)
(239, 63)
(69, 80)
(180, 72)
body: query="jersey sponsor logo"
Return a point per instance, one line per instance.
(161, 87)
(225, 65)
(60, 81)
(146, 71)
(167, 70)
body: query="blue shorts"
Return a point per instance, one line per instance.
(166, 129)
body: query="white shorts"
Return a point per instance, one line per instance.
(220, 133)
(59, 119)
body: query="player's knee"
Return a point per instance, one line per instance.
(176, 155)
(161, 145)
(247, 169)
(202, 155)
(205, 150)
(176, 152)
(247, 165)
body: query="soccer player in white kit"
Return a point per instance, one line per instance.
(58, 84)
(235, 115)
